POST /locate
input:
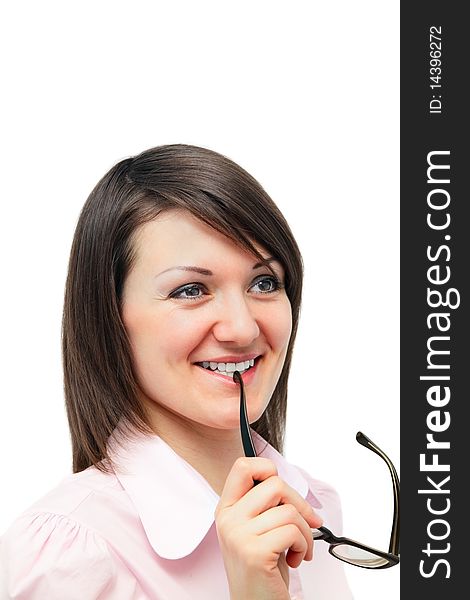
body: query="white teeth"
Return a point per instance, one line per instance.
(226, 374)
(228, 368)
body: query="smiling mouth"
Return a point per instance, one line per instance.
(228, 369)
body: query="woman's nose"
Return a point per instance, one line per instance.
(236, 322)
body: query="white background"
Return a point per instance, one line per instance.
(304, 95)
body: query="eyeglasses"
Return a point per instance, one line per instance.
(343, 548)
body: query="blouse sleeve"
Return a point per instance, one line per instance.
(324, 577)
(50, 556)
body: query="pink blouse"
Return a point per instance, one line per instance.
(147, 531)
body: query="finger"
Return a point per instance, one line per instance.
(288, 537)
(277, 517)
(283, 568)
(242, 476)
(272, 492)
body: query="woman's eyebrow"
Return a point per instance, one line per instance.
(199, 270)
(265, 262)
(207, 272)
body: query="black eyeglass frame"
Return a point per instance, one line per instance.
(392, 556)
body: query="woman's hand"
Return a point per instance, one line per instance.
(256, 525)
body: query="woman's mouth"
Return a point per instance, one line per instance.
(226, 369)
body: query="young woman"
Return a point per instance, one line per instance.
(182, 271)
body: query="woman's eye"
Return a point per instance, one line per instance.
(189, 292)
(268, 284)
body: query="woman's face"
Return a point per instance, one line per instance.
(193, 299)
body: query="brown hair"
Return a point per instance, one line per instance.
(99, 383)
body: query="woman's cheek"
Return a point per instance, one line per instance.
(281, 324)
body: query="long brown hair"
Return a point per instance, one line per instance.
(99, 383)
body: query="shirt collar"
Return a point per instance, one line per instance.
(175, 503)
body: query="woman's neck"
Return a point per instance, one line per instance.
(210, 451)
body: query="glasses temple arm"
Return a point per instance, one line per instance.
(247, 441)
(394, 547)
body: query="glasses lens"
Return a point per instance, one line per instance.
(358, 556)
